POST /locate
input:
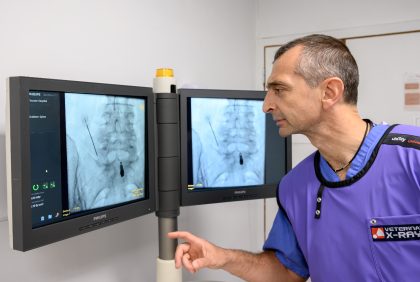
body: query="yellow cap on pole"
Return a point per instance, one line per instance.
(164, 72)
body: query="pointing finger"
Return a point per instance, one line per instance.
(186, 236)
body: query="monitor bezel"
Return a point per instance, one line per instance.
(219, 195)
(22, 236)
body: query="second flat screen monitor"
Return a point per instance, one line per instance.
(230, 149)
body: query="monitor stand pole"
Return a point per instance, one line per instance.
(166, 271)
(168, 184)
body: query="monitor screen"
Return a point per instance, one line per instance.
(230, 149)
(81, 157)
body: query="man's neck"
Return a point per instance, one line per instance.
(338, 139)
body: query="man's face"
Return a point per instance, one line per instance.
(295, 106)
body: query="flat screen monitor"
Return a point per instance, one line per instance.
(80, 156)
(230, 149)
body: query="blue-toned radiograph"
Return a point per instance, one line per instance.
(105, 150)
(228, 142)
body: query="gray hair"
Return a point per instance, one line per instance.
(323, 57)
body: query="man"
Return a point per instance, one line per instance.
(350, 211)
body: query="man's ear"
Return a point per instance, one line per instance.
(333, 92)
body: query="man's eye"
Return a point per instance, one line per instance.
(276, 90)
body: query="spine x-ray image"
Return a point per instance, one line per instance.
(228, 142)
(105, 150)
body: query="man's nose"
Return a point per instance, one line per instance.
(268, 104)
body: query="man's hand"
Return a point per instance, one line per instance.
(196, 253)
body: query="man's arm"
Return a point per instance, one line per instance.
(197, 253)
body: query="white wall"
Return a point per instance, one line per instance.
(209, 43)
(280, 18)
(281, 21)
(384, 63)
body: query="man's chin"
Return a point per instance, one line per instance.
(284, 133)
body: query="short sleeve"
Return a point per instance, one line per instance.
(282, 240)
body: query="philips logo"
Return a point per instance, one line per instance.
(99, 217)
(241, 192)
(399, 139)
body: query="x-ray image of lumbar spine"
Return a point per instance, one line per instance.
(105, 150)
(228, 142)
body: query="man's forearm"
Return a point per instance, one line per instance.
(260, 267)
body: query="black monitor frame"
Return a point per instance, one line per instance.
(22, 236)
(227, 194)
